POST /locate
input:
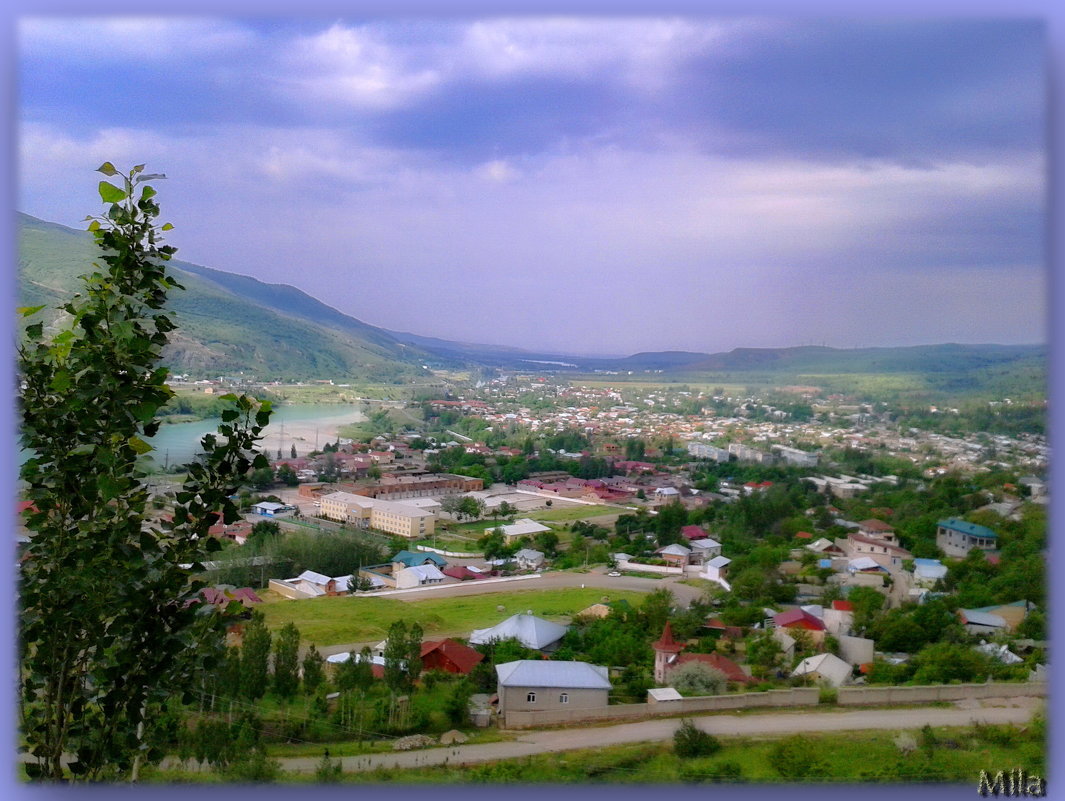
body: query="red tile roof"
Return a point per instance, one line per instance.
(798, 618)
(731, 670)
(843, 606)
(449, 655)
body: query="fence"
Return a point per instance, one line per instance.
(455, 554)
(869, 696)
(639, 567)
(797, 696)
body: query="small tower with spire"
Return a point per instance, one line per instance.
(666, 650)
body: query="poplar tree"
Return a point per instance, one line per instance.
(109, 630)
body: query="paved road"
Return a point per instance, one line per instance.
(789, 722)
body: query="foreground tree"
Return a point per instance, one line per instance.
(108, 628)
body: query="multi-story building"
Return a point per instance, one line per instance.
(957, 537)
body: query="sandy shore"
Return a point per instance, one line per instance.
(304, 434)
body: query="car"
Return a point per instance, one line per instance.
(614, 573)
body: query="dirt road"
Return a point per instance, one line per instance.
(541, 742)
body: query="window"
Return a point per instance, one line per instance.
(531, 698)
(563, 698)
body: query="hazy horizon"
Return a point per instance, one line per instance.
(576, 185)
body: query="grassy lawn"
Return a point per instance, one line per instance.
(577, 512)
(330, 621)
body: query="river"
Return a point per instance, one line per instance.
(307, 426)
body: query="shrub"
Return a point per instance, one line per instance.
(697, 678)
(795, 757)
(690, 741)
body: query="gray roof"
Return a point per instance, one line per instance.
(529, 630)
(540, 673)
(978, 618)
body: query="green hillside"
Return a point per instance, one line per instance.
(226, 323)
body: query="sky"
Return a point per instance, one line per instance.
(580, 184)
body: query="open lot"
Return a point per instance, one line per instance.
(348, 619)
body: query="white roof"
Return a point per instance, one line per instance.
(675, 550)
(529, 630)
(930, 569)
(829, 666)
(424, 572)
(272, 505)
(529, 555)
(312, 577)
(540, 673)
(719, 561)
(667, 491)
(1000, 652)
(707, 542)
(664, 694)
(817, 546)
(519, 528)
(864, 563)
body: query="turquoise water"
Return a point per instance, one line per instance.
(179, 443)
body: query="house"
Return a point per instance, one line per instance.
(693, 532)
(704, 549)
(798, 619)
(449, 656)
(824, 669)
(404, 559)
(418, 576)
(271, 508)
(926, 572)
(522, 528)
(980, 622)
(1011, 614)
(877, 530)
(717, 569)
(838, 618)
(462, 573)
(529, 559)
(957, 537)
(531, 631)
(657, 695)
(310, 584)
(531, 684)
(732, 671)
(675, 555)
(881, 551)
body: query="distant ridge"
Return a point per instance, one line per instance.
(229, 323)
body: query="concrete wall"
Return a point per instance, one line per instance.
(673, 571)
(798, 696)
(857, 696)
(456, 554)
(286, 590)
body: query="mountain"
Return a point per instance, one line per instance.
(230, 323)
(227, 323)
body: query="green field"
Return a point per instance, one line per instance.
(578, 512)
(331, 621)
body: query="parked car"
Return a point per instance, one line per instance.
(614, 573)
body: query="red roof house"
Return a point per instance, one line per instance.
(798, 619)
(449, 656)
(693, 532)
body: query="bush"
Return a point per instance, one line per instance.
(795, 757)
(697, 678)
(689, 741)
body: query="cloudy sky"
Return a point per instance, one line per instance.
(599, 184)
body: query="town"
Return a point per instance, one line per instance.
(695, 551)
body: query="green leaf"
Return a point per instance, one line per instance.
(26, 311)
(60, 381)
(109, 193)
(139, 445)
(168, 226)
(107, 168)
(147, 193)
(94, 225)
